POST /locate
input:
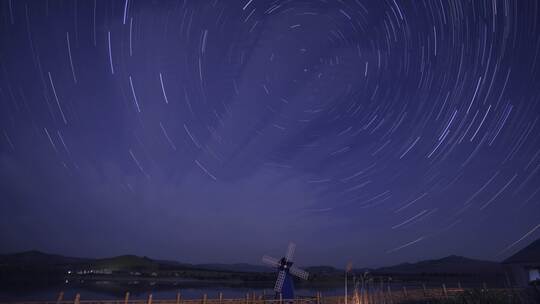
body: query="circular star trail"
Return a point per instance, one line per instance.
(378, 131)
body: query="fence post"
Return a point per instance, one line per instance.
(382, 297)
(204, 297)
(459, 285)
(318, 298)
(424, 289)
(77, 298)
(178, 298)
(445, 292)
(60, 297)
(126, 298)
(484, 286)
(220, 297)
(280, 298)
(247, 298)
(149, 301)
(509, 284)
(390, 294)
(405, 291)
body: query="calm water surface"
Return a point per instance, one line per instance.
(113, 291)
(103, 290)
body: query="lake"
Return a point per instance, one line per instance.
(102, 290)
(110, 290)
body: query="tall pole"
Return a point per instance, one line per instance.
(345, 286)
(347, 269)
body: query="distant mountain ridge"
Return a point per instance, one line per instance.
(237, 267)
(34, 257)
(531, 253)
(451, 264)
(122, 262)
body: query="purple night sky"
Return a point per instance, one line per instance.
(375, 131)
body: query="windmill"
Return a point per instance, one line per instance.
(284, 283)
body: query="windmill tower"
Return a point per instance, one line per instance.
(284, 283)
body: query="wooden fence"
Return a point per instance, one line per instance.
(368, 296)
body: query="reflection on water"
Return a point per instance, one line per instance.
(100, 290)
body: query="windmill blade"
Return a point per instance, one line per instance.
(268, 260)
(290, 252)
(299, 272)
(279, 281)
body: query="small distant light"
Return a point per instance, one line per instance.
(69, 271)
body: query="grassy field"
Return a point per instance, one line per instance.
(477, 296)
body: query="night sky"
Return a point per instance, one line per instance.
(375, 131)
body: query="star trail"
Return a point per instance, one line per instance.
(377, 131)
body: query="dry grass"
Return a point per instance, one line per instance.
(528, 296)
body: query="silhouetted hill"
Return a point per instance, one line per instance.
(33, 260)
(237, 267)
(126, 262)
(529, 254)
(450, 265)
(35, 257)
